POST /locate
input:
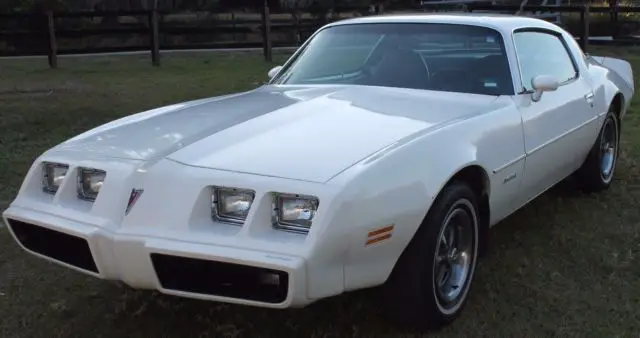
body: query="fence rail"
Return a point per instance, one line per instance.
(153, 29)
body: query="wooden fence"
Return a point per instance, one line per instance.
(153, 28)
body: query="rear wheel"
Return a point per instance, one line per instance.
(430, 283)
(596, 173)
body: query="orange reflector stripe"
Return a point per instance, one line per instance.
(388, 228)
(378, 239)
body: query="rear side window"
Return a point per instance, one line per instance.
(541, 53)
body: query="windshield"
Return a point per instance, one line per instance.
(443, 57)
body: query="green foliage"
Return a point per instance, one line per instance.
(32, 5)
(198, 4)
(600, 23)
(622, 3)
(15, 5)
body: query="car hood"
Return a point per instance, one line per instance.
(296, 132)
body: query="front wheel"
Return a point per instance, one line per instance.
(430, 282)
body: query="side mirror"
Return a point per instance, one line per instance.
(275, 70)
(543, 83)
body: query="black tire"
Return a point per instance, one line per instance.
(412, 297)
(591, 176)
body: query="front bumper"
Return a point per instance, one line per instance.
(171, 266)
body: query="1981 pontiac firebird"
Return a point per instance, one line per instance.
(380, 154)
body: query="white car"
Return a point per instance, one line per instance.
(380, 153)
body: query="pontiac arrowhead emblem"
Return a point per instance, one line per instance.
(133, 198)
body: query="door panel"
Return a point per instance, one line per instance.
(558, 128)
(558, 131)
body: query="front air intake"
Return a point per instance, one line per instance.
(56, 245)
(215, 278)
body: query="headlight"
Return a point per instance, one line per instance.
(294, 212)
(231, 205)
(52, 176)
(89, 183)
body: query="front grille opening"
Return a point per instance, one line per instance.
(221, 278)
(66, 248)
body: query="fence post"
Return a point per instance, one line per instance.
(613, 14)
(296, 27)
(266, 32)
(233, 26)
(154, 37)
(584, 19)
(53, 45)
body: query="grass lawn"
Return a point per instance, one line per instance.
(567, 265)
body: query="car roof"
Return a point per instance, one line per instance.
(500, 22)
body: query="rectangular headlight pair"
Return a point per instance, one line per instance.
(290, 212)
(89, 181)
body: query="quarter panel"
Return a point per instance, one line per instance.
(608, 82)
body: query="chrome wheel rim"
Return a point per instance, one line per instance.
(608, 149)
(455, 256)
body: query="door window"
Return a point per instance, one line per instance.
(542, 53)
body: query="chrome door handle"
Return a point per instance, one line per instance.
(589, 98)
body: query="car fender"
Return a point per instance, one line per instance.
(387, 203)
